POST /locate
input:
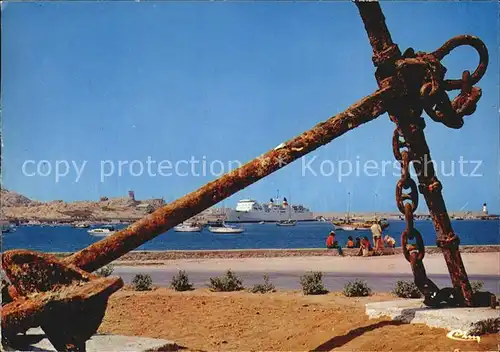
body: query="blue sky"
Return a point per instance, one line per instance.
(226, 81)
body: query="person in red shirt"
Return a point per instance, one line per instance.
(366, 247)
(330, 240)
(331, 243)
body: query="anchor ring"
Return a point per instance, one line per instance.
(476, 43)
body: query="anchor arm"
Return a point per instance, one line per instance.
(118, 244)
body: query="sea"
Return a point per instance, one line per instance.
(255, 236)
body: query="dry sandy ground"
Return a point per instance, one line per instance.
(282, 321)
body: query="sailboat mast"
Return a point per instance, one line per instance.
(290, 209)
(348, 205)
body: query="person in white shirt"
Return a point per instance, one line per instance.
(376, 229)
(390, 241)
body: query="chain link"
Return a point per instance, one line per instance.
(420, 78)
(438, 106)
(407, 203)
(433, 93)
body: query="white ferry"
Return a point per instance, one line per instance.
(249, 210)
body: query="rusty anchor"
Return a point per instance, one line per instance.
(68, 302)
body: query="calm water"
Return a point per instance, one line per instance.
(304, 235)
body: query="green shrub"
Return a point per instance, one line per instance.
(476, 286)
(357, 288)
(265, 287)
(105, 271)
(226, 283)
(406, 289)
(180, 282)
(142, 282)
(312, 283)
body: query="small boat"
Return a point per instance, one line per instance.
(103, 231)
(187, 228)
(216, 223)
(81, 225)
(262, 222)
(358, 225)
(7, 227)
(353, 227)
(225, 229)
(288, 222)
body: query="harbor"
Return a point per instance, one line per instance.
(220, 178)
(18, 210)
(255, 236)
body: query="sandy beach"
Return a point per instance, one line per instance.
(283, 321)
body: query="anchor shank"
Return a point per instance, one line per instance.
(113, 247)
(403, 110)
(430, 187)
(384, 49)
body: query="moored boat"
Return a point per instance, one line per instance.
(225, 229)
(353, 227)
(289, 221)
(286, 223)
(7, 227)
(350, 225)
(102, 231)
(188, 228)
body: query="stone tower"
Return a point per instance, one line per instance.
(131, 195)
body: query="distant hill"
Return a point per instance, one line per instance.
(14, 199)
(15, 206)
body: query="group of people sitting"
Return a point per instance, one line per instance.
(365, 247)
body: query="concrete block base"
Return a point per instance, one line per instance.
(35, 340)
(475, 321)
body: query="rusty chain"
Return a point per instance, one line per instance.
(433, 99)
(407, 203)
(421, 76)
(436, 102)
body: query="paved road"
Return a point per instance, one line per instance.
(291, 280)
